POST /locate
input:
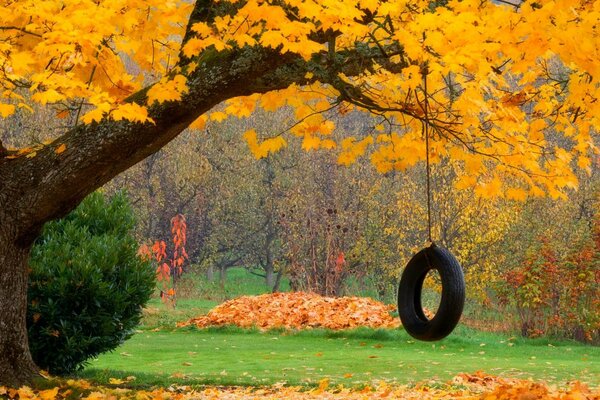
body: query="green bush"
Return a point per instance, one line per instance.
(87, 286)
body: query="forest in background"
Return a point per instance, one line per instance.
(337, 228)
(329, 222)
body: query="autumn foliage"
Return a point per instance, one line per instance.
(169, 270)
(476, 386)
(502, 79)
(299, 310)
(555, 293)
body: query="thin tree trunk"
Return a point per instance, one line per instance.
(222, 276)
(269, 275)
(16, 365)
(277, 281)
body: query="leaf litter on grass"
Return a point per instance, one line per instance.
(298, 310)
(464, 386)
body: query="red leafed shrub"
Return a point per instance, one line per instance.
(557, 294)
(169, 270)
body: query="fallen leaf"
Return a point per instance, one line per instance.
(60, 148)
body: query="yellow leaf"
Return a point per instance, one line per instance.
(272, 101)
(49, 394)
(115, 381)
(218, 116)
(92, 116)
(311, 142)
(465, 182)
(272, 39)
(199, 123)
(584, 163)
(20, 62)
(328, 144)
(60, 148)
(516, 194)
(274, 144)
(130, 112)
(490, 189)
(168, 90)
(6, 109)
(96, 396)
(49, 96)
(323, 385)
(25, 392)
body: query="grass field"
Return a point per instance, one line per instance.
(232, 356)
(161, 355)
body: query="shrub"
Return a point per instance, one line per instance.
(557, 294)
(87, 285)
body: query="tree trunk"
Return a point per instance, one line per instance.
(210, 273)
(277, 281)
(222, 276)
(16, 365)
(269, 275)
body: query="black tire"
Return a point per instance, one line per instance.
(453, 294)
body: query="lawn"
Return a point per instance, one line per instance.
(233, 356)
(160, 355)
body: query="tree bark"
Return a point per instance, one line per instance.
(269, 275)
(277, 283)
(16, 365)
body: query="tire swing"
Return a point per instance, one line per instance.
(430, 258)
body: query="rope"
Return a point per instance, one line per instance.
(424, 72)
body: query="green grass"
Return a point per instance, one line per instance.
(158, 315)
(239, 282)
(161, 355)
(233, 356)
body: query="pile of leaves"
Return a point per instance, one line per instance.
(299, 310)
(464, 386)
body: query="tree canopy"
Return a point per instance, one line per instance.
(507, 89)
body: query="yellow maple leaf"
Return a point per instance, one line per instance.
(199, 123)
(218, 116)
(323, 385)
(272, 39)
(49, 394)
(490, 189)
(6, 109)
(516, 194)
(93, 116)
(130, 112)
(60, 148)
(272, 145)
(311, 142)
(48, 96)
(25, 392)
(168, 90)
(272, 101)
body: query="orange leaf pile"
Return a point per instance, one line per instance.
(298, 310)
